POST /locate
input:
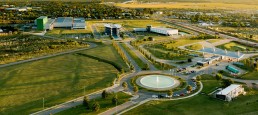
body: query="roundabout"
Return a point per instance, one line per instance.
(157, 82)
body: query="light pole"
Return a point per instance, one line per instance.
(43, 102)
(84, 90)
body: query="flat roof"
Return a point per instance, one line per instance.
(64, 19)
(165, 29)
(228, 89)
(113, 25)
(42, 17)
(221, 52)
(50, 21)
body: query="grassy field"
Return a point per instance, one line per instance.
(189, 5)
(21, 47)
(56, 79)
(194, 47)
(214, 40)
(201, 104)
(105, 104)
(107, 52)
(234, 46)
(170, 51)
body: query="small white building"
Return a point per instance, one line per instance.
(1, 31)
(230, 92)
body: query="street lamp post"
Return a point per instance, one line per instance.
(43, 102)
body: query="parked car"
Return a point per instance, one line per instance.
(176, 95)
(154, 96)
(161, 96)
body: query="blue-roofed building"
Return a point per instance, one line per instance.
(79, 23)
(63, 22)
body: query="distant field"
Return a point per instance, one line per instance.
(56, 79)
(190, 5)
(241, 32)
(201, 104)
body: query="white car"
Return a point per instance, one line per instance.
(154, 96)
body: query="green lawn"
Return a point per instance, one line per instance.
(105, 104)
(234, 46)
(56, 79)
(251, 75)
(201, 104)
(194, 47)
(214, 40)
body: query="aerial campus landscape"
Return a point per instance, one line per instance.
(129, 57)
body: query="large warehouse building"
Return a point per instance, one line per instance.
(63, 22)
(164, 31)
(44, 23)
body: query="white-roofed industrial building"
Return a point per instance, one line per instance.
(230, 92)
(159, 30)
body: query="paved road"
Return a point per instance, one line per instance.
(141, 56)
(95, 32)
(92, 45)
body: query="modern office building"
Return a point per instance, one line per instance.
(230, 92)
(112, 29)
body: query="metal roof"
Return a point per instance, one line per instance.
(221, 52)
(113, 25)
(228, 89)
(64, 19)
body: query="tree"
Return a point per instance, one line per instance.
(170, 92)
(198, 78)
(114, 100)
(218, 76)
(189, 88)
(104, 94)
(125, 85)
(147, 67)
(96, 107)
(135, 89)
(227, 82)
(86, 102)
